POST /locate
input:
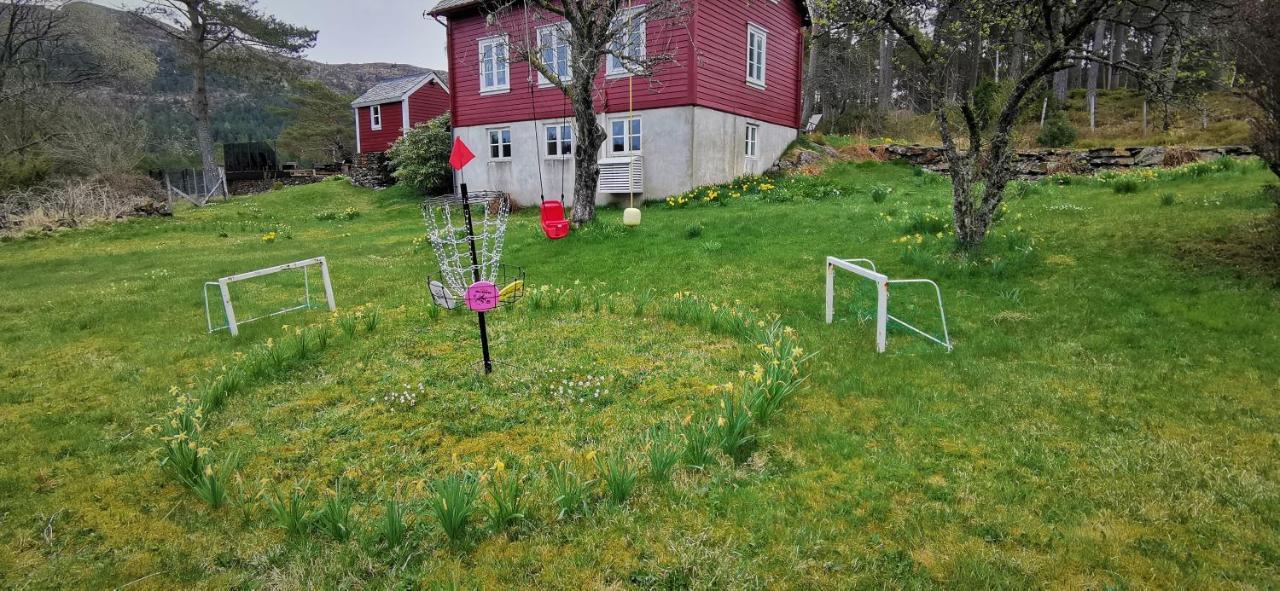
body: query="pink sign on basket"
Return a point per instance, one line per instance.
(482, 296)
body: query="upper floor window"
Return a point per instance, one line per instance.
(500, 143)
(493, 65)
(753, 133)
(756, 49)
(630, 45)
(559, 138)
(624, 135)
(375, 117)
(553, 48)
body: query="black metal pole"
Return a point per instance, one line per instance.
(475, 268)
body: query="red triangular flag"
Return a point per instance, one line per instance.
(461, 155)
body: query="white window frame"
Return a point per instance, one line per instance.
(375, 117)
(756, 32)
(561, 35)
(615, 67)
(560, 128)
(627, 135)
(751, 145)
(489, 134)
(501, 63)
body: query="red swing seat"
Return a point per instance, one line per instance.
(553, 222)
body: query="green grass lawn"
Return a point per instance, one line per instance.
(1108, 418)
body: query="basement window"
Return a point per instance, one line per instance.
(500, 143)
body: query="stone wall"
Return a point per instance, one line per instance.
(1037, 163)
(372, 170)
(264, 185)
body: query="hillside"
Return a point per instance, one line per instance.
(243, 107)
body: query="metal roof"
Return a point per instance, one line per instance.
(444, 6)
(390, 91)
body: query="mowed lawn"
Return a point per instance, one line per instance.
(1108, 418)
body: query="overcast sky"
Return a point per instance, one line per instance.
(358, 31)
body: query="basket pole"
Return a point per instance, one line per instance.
(475, 274)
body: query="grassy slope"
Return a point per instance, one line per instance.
(1108, 416)
(1119, 123)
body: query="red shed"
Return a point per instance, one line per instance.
(390, 108)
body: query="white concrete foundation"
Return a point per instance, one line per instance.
(681, 148)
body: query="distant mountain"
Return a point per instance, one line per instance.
(244, 108)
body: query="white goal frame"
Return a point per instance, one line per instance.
(883, 317)
(224, 290)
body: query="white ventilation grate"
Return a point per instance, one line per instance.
(624, 174)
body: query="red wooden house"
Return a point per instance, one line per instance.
(390, 108)
(727, 104)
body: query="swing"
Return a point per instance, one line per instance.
(631, 215)
(553, 223)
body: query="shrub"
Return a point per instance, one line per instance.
(663, 454)
(277, 186)
(1057, 131)
(619, 476)
(391, 528)
(569, 489)
(698, 440)
(879, 193)
(505, 491)
(290, 512)
(421, 156)
(453, 504)
(733, 425)
(334, 516)
(1126, 185)
(72, 203)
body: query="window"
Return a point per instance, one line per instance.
(630, 44)
(500, 143)
(756, 44)
(375, 117)
(624, 135)
(559, 140)
(553, 48)
(493, 65)
(753, 131)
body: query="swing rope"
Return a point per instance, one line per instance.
(533, 108)
(631, 112)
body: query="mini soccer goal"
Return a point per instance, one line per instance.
(224, 291)
(882, 282)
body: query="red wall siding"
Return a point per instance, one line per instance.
(669, 87)
(429, 102)
(721, 58)
(379, 141)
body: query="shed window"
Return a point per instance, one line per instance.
(493, 65)
(757, 40)
(559, 140)
(500, 143)
(752, 149)
(553, 49)
(375, 117)
(624, 135)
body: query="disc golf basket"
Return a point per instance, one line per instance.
(466, 232)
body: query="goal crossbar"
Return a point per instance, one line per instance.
(224, 292)
(883, 316)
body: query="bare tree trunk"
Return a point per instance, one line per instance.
(589, 138)
(1091, 84)
(200, 103)
(810, 98)
(1119, 43)
(884, 95)
(1061, 78)
(1016, 60)
(1175, 61)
